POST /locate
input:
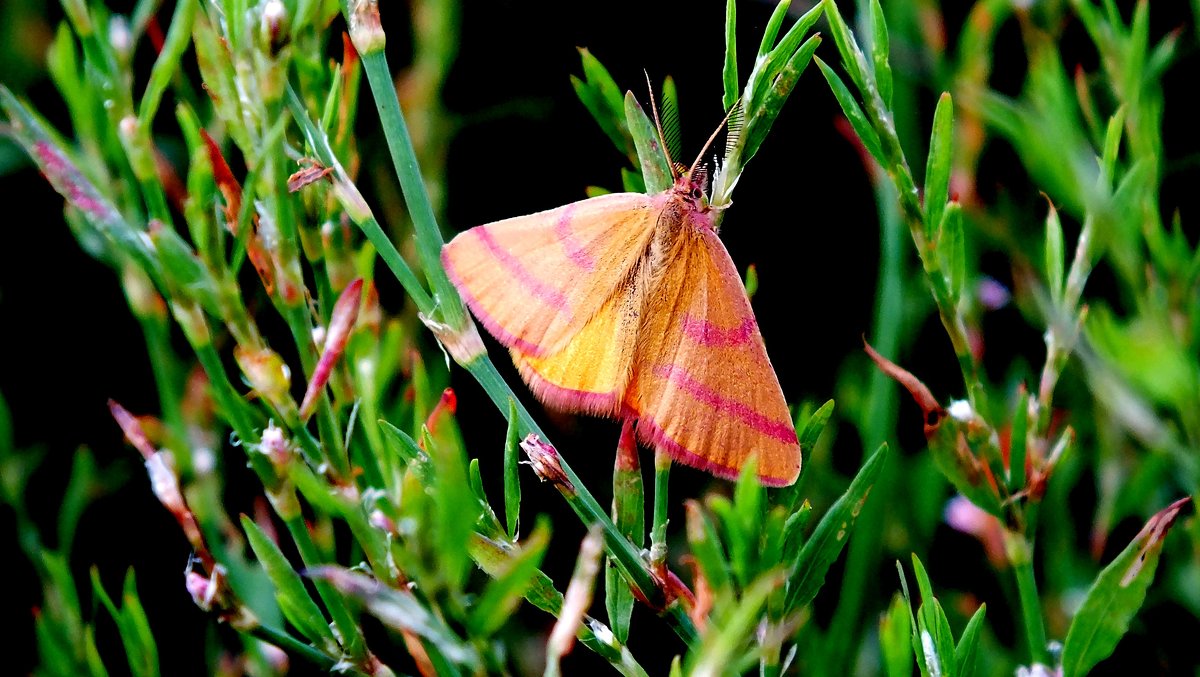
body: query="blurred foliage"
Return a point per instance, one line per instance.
(230, 211)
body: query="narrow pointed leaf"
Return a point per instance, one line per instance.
(772, 30)
(512, 479)
(939, 164)
(830, 536)
(295, 602)
(629, 514)
(511, 584)
(966, 652)
(853, 112)
(895, 638)
(1016, 444)
(1055, 261)
(723, 647)
(706, 548)
(1116, 595)
(953, 245)
(729, 74)
(653, 162)
(879, 53)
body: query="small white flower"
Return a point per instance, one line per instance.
(960, 410)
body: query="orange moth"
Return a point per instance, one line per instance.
(628, 305)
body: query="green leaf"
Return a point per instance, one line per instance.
(85, 484)
(601, 96)
(751, 281)
(629, 515)
(772, 30)
(512, 582)
(953, 245)
(853, 112)
(939, 164)
(879, 54)
(827, 541)
(407, 449)
(656, 172)
(706, 548)
(771, 91)
(179, 36)
(770, 68)
(810, 431)
(1116, 595)
(968, 645)
(724, 643)
(401, 610)
(729, 74)
(295, 602)
(816, 425)
(793, 530)
(932, 621)
(1016, 444)
(737, 541)
(183, 271)
(1112, 145)
(1055, 257)
(748, 500)
(456, 509)
(512, 480)
(132, 625)
(895, 638)
(852, 56)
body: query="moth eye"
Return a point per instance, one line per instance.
(695, 193)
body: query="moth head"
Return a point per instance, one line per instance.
(692, 187)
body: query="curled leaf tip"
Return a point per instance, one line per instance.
(933, 412)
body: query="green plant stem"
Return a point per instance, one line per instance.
(658, 530)
(1020, 557)
(228, 401)
(357, 208)
(585, 505)
(295, 647)
(348, 629)
(412, 184)
(157, 333)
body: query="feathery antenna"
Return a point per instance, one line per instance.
(658, 126)
(736, 106)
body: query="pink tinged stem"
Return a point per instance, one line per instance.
(132, 429)
(163, 478)
(345, 312)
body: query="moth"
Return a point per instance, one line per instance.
(628, 305)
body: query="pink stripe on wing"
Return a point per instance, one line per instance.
(506, 338)
(706, 333)
(567, 399)
(779, 430)
(549, 295)
(656, 437)
(575, 250)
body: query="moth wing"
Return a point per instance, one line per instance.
(590, 373)
(702, 385)
(535, 281)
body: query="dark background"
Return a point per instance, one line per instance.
(804, 213)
